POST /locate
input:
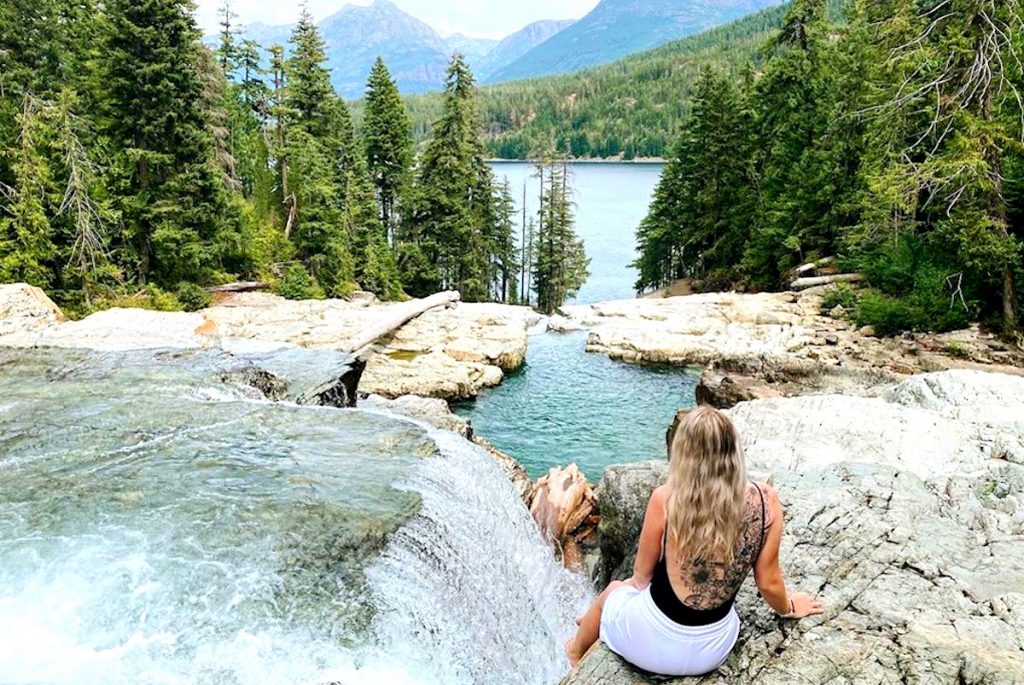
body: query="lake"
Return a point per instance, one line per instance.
(611, 200)
(565, 406)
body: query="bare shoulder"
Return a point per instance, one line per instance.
(659, 497)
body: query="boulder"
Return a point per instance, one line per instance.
(905, 514)
(723, 391)
(778, 339)
(25, 308)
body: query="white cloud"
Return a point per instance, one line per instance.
(484, 18)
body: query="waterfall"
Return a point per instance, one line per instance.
(468, 591)
(160, 526)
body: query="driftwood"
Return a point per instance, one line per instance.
(400, 315)
(814, 266)
(243, 287)
(805, 283)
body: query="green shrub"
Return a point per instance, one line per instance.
(298, 284)
(955, 348)
(916, 312)
(887, 315)
(192, 297)
(841, 295)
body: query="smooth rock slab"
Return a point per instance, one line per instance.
(902, 512)
(445, 353)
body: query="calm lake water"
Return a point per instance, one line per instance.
(611, 201)
(565, 406)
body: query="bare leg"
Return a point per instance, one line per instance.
(589, 626)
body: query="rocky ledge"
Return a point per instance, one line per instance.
(775, 344)
(904, 512)
(445, 353)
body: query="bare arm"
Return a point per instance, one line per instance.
(649, 550)
(768, 572)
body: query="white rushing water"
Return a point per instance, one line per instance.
(157, 529)
(468, 590)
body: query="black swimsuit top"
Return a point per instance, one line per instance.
(674, 609)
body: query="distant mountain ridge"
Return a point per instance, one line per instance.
(518, 44)
(473, 48)
(415, 53)
(617, 28)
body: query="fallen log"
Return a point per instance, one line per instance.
(811, 282)
(814, 266)
(400, 315)
(242, 287)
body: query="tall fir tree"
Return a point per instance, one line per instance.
(448, 239)
(560, 264)
(793, 118)
(170, 196)
(386, 132)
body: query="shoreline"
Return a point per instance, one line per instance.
(645, 161)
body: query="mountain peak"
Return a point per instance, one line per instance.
(616, 28)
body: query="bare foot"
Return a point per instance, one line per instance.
(571, 653)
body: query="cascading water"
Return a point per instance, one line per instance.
(158, 526)
(467, 590)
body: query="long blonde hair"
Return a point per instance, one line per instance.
(707, 487)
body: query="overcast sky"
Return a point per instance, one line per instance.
(484, 18)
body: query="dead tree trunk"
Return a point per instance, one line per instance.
(400, 315)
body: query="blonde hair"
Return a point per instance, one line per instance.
(707, 487)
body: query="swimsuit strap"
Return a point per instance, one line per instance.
(764, 522)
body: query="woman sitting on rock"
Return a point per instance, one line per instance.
(703, 532)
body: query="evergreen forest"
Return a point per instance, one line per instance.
(890, 140)
(138, 167)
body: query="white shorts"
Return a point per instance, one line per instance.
(633, 627)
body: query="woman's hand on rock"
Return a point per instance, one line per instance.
(803, 605)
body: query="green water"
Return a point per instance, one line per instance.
(566, 406)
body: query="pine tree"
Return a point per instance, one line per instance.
(793, 119)
(171, 200)
(560, 265)
(949, 174)
(449, 238)
(315, 126)
(27, 249)
(255, 92)
(309, 91)
(228, 49)
(505, 266)
(386, 130)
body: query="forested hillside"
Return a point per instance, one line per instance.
(892, 141)
(631, 108)
(133, 170)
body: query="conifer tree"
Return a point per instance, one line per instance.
(172, 202)
(388, 141)
(791, 94)
(448, 241)
(27, 249)
(255, 92)
(505, 267)
(950, 170)
(228, 50)
(560, 265)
